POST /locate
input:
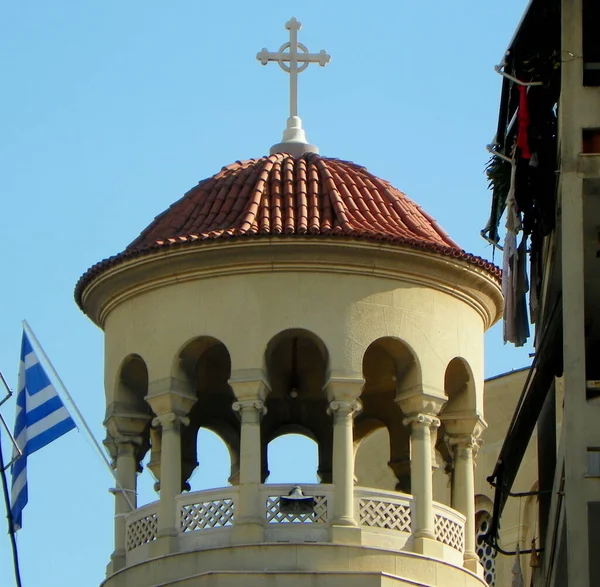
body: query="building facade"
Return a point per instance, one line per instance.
(546, 170)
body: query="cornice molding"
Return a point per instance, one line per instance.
(455, 277)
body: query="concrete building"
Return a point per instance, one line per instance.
(296, 293)
(546, 169)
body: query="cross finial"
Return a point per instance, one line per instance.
(293, 58)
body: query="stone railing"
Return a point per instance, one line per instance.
(141, 526)
(207, 510)
(207, 518)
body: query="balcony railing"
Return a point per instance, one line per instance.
(208, 517)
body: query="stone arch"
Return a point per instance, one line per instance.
(296, 362)
(459, 388)
(203, 366)
(227, 441)
(391, 362)
(460, 406)
(131, 385)
(372, 448)
(129, 414)
(390, 366)
(298, 439)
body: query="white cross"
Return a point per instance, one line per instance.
(288, 54)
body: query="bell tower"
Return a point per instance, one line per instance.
(301, 293)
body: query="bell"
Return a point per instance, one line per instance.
(534, 561)
(295, 502)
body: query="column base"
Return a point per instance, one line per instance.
(248, 533)
(164, 544)
(474, 566)
(429, 547)
(345, 535)
(117, 562)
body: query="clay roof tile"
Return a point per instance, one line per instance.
(280, 194)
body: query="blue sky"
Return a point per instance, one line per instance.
(111, 110)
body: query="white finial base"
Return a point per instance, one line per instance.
(293, 57)
(294, 140)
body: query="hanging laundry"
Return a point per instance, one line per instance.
(510, 287)
(521, 285)
(517, 573)
(523, 120)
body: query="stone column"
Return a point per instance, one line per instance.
(344, 406)
(170, 476)
(421, 426)
(250, 389)
(463, 491)
(171, 401)
(125, 443)
(343, 460)
(124, 451)
(421, 406)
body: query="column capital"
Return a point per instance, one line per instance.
(423, 420)
(249, 384)
(169, 420)
(345, 407)
(122, 445)
(463, 441)
(459, 424)
(254, 405)
(344, 388)
(122, 420)
(420, 399)
(170, 395)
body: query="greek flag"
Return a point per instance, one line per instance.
(41, 417)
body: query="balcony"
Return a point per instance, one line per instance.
(207, 520)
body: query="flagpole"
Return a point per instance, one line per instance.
(11, 527)
(79, 415)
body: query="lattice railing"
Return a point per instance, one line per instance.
(385, 514)
(216, 513)
(274, 515)
(141, 531)
(449, 532)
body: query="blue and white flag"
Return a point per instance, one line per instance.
(41, 417)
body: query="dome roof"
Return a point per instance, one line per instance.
(283, 195)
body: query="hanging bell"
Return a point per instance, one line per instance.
(296, 502)
(535, 560)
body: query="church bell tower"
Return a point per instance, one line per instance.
(294, 292)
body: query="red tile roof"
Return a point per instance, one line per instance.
(284, 195)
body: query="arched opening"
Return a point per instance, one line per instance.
(459, 388)
(214, 469)
(130, 414)
(204, 363)
(296, 361)
(372, 457)
(389, 365)
(293, 458)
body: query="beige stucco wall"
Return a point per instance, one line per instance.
(348, 313)
(347, 294)
(281, 565)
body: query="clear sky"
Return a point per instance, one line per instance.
(110, 111)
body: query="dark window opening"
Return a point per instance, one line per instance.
(591, 42)
(591, 140)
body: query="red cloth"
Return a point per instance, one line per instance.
(523, 119)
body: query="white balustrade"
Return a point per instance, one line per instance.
(207, 517)
(141, 526)
(449, 527)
